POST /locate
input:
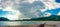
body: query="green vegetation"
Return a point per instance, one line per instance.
(50, 18)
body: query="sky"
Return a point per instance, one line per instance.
(27, 9)
(3, 12)
(58, 1)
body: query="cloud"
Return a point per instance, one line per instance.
(53, 11)
(47, 14)
(51, 4)
(13, 15)
(29, 9)
(2, 13)
(58, 13)
(11, 7)
(10, 13)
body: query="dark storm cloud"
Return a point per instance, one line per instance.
(26, 8)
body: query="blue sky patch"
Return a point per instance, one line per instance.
(2, 13)
(54, 11)
(58, 1)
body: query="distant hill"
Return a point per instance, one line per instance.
(50, 18)
(3, 19)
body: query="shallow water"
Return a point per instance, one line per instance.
(16, 23)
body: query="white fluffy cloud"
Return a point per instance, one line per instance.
(47, 14)
(50, 4)
(13, 14)
(58, 14)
